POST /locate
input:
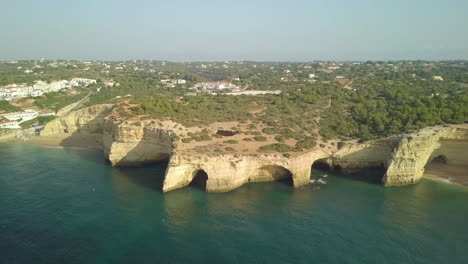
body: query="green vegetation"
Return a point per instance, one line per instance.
(57, 100)
(230, 149)
(374, 100)
(260, 138)
(231, 141)
(278, 147)
(37, 120)
(385, 108)
(5, 106)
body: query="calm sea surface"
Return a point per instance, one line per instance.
(67, 206)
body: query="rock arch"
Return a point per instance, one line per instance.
(441, 159)
(275, 173)
(321, 164)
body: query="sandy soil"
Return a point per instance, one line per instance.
(77, 140)
(447, 173)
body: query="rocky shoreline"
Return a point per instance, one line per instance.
(402, 158)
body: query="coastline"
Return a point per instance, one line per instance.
(64, 141)
(90, 141)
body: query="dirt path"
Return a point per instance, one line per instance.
(72, 107)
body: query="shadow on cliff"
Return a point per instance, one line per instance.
(148, 173)
(372, 175)
(86, 136)
(146, 163)
(149, 176)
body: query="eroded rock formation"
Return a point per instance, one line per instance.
(133, 143)
(404, 157)
(229, 171)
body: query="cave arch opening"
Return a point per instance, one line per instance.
(441, 159)
(319, 168)
(199, 179)
(277, 173)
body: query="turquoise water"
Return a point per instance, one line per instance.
(68, 206)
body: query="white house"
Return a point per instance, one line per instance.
(437, 78)
(22, 116)
(9, 124)
(46, 113)
(81, 81)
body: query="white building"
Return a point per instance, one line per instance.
(209, 86)
(174, 81)
(81, 81)
(15, 91)
(46, 113)
(53, 86)
(437, 78)
(9, 124)
(21, 116)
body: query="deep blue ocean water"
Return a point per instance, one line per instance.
(68, 206)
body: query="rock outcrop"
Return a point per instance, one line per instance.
(85, 120)
(126, 142)
(229, 171)
(403, 157)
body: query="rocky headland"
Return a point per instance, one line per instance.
(401, 158)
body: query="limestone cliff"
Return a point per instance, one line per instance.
(414, 151)
(127, 142)
(229, 171)
(87, 120)
(403, 157)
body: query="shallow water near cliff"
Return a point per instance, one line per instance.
(67, 206)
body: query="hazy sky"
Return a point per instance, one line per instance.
(294, 30)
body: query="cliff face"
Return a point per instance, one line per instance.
(86, 120)
(125, 143)
(415, 151)
(404, 157)
(226, 172)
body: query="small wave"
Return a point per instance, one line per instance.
(321, 181)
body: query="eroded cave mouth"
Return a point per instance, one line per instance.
(372, 175)
(319, 168)
(278, 174)
(441, 159)
(199, 180)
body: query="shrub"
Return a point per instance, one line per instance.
(231, 141)
(279, 138)
(187, 140)
(260, 138)
(277, 147)
(306, 143)
(230, 149)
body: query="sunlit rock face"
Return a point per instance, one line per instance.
(229, 171)
(124, 142)
(85, 120)
(416, 150)
(404, 157)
